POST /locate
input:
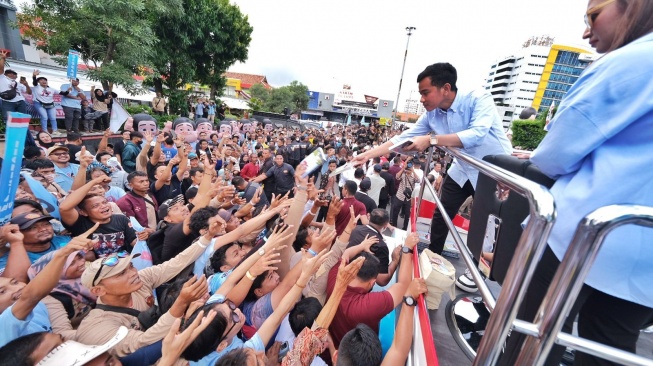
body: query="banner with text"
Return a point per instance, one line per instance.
(73, 59)
(17, 125)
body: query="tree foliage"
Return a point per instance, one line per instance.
(198, 45)
(293, 96)
(114, 37)
(171, 43)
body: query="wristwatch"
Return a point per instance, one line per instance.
(406, 250)
(434, 139)
(261, 252)
(410, 301)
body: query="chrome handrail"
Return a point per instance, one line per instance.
(531, 246)
(569, 278)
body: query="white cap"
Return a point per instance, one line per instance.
(71, 353)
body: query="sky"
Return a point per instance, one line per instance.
(325, 44)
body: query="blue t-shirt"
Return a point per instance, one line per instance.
(70, 102)
(217, 279)
(12, 328)
(56, 243)
(170, 152)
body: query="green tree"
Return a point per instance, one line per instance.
(255, 104)
(114, 38)
(259, 92)
(198, 45)
(299, 93)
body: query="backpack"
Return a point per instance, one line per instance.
(10, 93)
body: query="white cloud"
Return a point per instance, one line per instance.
(325, 44)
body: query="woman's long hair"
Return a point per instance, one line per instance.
(637, 21)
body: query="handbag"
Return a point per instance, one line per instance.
(10, 93)
(408, 191)
(47, 105)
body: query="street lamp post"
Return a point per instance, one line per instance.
(401, 79)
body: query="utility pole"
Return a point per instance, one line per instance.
(410, 32)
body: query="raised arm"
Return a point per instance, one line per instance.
(309, 267)
(102, 145)
(67, 208)
(18, 262)
(167, 173)
(183, 163)
(156, 154)
(84, 161)
(403, 339)
(346, 274)
(141, 159)
(45, 281)
(405, 272)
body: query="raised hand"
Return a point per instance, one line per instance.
(417, 287)
(322, 240)
(257, 196)
(311, 264)
(11, 234)
(411, 240)
(334, 208)
(194, 289)
(347, 272)
(280, 234)
(148, 137)
(369, 242)
(175, 343)
(80, 242)
(267, 262)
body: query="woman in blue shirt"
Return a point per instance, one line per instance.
(599, 149)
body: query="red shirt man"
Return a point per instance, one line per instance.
(348, 191)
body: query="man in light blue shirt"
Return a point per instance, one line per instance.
(467, 120)
(64, 170)
(71, 102)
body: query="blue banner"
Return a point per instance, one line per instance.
(17, 125)
(43, 196)
(73, 58)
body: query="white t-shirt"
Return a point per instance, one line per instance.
(6, 83)
(44, 95)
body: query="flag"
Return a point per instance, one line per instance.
(43, 196)
(118, 116)
(348, 118)
(17, 125)
(363, 122)
(549, 116)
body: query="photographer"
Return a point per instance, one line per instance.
(407, 179)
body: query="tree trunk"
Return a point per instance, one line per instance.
(158, 85)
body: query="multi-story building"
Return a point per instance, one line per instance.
(413, 105)
(539, 74)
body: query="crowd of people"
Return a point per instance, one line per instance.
(227, 251)
(257, 257)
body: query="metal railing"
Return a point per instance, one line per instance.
(531, 245)
(545, 331)
(567, 283)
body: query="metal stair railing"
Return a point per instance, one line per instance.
(530, 247)
(567, 283)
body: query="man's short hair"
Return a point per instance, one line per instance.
(135, 134)
(370, 268)
(526, 113)
(440, 73)
(209, 339)
(351, 187)
(132, 175)
(235, 357)
(397, 159)
(32, 152)
(237, 181)
(304, 314)
(200, 219)
(37, 164)
(99, 155)
(379, 216)
(73, 136)
(19, 351)
(219, 257)
(360, 346)
(194, 171)
(359, 173)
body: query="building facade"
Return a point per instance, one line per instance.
(338, 107)
(539, 74)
